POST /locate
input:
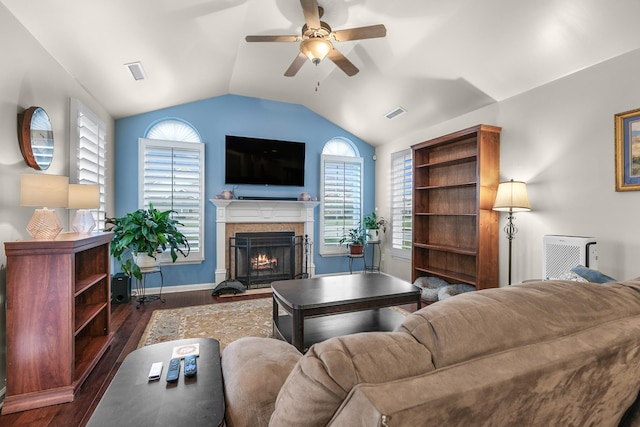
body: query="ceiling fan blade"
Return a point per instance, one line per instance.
(311, 13)
(342, 62)
(272, 38)
(296, 65)
(369, 32)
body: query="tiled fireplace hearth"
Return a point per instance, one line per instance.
(242, 216)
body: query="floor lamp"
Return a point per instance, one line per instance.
(511, 198)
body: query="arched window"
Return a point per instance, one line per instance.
(340, 147)
(173, 130)
(341, 193)
(171, 177)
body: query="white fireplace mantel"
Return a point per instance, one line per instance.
(260, 211)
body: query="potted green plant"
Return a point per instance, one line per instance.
(373, 224)
(146, 233)
(355, 239)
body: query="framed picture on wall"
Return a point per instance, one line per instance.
(627, 126)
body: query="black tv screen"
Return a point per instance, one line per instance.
(264, 161)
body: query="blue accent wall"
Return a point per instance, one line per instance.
(214, 118)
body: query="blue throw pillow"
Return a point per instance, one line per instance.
(593, 276)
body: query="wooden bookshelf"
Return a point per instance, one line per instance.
(455, 230)
(58, 315)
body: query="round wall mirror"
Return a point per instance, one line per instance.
(35, 135)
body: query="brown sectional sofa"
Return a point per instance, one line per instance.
(554, 353)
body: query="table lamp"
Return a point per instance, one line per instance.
(83, 197)
(511, 197)
(44, 190)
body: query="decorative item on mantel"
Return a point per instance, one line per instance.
(305, 197)
(225, 195)
(511, 197)
(44, 190)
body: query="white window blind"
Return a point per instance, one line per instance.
(90, 155)
(341, 191)
(401, 203)
(172, 178)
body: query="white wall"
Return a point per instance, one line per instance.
(559, 138)
(30, 76)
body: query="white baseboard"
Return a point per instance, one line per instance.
(206, 286)
(175, 289)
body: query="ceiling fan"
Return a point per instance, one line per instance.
(316, 38)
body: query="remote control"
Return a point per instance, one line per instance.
(190, 366)
(174, 370)
(155, 371)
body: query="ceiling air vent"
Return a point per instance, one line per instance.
(395, 113)
(136, 70)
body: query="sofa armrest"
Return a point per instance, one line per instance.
(254, 370)
(325, 375)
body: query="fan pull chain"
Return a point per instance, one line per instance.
(317, 85)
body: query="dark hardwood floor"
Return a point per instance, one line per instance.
(127, 324)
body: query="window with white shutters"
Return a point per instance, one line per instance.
(341, 195)
(172, 178)
(401, 203)
(89, 155)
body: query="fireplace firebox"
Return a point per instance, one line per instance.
(259, 258)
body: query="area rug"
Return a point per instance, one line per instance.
(226, 322)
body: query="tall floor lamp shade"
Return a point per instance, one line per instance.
(83, 197)
(44, 190)
(511, 197)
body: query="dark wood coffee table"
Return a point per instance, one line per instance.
(325, 307)
(133, 400)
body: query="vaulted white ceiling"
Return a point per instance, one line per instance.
(440, 59)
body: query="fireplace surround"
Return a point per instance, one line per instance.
(234, 216)
(259, 258)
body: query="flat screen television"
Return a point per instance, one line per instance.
(264, 161)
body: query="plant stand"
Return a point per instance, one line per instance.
(376, 256)
(140, 287)
(357, 256)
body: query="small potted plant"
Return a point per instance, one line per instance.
(146, 233)
(373, 224)
(355, 239)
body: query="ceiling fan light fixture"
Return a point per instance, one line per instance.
(315, 48)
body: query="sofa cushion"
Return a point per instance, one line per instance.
(329, 370)
(585, 379)
(492, 320)
(254, 370)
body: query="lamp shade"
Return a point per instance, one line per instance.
(84, 196)
(44, 190)
(315, 48)
(512, 197)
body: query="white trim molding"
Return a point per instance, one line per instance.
(260, 211)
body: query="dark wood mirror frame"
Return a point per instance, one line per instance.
(35, 136)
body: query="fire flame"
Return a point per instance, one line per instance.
(263, 262)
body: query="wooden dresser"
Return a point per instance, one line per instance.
(58, 314)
